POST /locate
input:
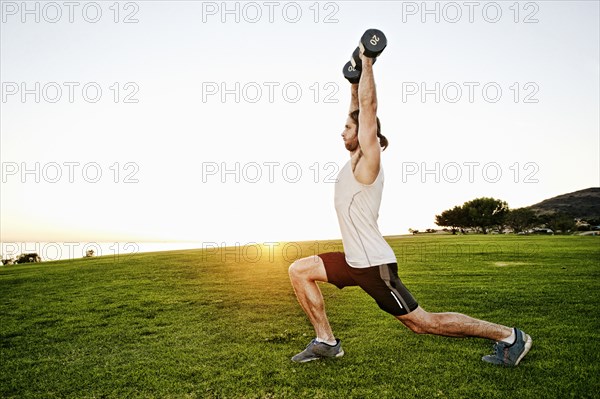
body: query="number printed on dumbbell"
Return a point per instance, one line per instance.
(373, 42)
(351, 73)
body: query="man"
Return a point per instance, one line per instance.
(368, 261)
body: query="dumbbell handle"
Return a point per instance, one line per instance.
(356, 61)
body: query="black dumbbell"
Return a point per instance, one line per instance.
(351, 73)
(373, 42)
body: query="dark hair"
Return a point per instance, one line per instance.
(383, 141)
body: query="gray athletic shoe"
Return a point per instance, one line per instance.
(317, 350)
(510, 355)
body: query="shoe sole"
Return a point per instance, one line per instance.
(528, 343)
(339, 354)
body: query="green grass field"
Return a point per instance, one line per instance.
(224, 324)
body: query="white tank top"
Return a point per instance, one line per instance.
(357, 208)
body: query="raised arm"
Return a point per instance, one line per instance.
(367, 118)
(354, 97)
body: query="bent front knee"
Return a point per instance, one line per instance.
(293, 270)
(296, 270)
(305, 269)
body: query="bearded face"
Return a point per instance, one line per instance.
(350, 135)
(352, 144)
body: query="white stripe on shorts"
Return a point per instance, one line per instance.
(396, 298)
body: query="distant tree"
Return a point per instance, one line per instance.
(413, 231)
(521, 219)
(558, 221)
(29, 258)
(593, 221)
(501, 226)
(482, 214)
(89, 253)
(455, 218)
(583, 227)
(485, 213)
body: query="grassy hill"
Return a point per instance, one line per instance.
(583, 204)
(224, 324)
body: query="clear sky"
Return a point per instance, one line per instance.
(221, 122)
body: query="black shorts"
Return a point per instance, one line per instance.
(380, 282)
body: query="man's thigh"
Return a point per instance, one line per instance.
(385, 287)
(337, 269)
(312, 267)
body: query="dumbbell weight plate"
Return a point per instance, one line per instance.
(351, 73)
(372, 42)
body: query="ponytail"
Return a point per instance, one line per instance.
(383, 141)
